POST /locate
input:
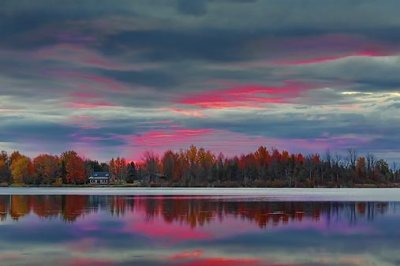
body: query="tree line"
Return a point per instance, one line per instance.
(200, 167)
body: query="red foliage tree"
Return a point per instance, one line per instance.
(74, 168)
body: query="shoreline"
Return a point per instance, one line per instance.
(361, 186)
(264, 194)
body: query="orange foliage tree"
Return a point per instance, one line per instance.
(46, 167)
(73, 168)
(118, 169)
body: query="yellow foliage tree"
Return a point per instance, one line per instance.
(21, 169)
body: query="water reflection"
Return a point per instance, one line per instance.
(186, 231)
(191, 211)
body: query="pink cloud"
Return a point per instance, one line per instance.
(172, 136)
(247, 96)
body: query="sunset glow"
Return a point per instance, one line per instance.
(304, 76)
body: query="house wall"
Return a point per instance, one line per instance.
(98, 181)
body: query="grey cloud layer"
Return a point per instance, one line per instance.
(135, 59)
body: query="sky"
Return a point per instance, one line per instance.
(116, 78)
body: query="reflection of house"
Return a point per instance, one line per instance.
(102, 178)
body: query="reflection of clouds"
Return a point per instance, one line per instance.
(193, 232)
(173, 232)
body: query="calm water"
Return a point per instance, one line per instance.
(194, 231)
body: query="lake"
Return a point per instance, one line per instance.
(196, 227)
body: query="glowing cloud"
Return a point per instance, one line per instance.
(172, 136)
(247, 96)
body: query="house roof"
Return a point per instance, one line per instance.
(100, 175)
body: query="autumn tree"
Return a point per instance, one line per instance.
(118, 169)
(73, 168)
(205, 160)
(14, 156)
(193, 166)
(4, 167)
(22, 169)
(262, 158)
(47, 168)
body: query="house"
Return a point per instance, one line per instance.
(100, 178)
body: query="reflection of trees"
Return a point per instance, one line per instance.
(19, 206)
(191, 211)
(4, 205)
(46, 206)
(73, 206)
(197, 212)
